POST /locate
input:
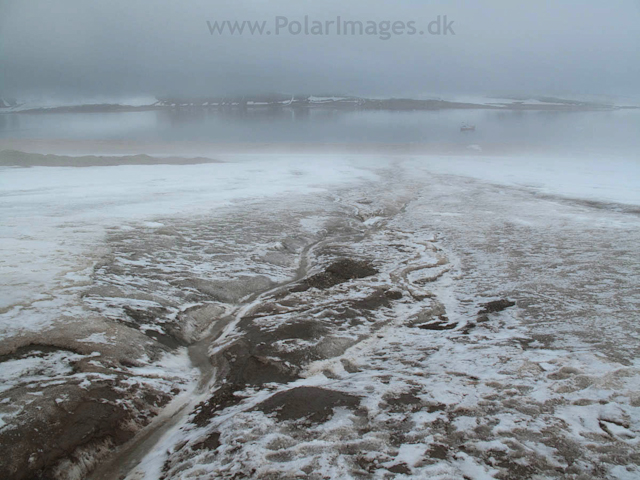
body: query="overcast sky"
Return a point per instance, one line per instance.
(149, 47)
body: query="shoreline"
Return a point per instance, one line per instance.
(16, 158)
(187, 148)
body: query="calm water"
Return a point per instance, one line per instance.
(617, 131)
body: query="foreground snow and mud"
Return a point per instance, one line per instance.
(321, 317)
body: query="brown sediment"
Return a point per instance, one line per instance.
(404, 401)
(496, 306)
(438, 325)
(400, 468)
(86, 425)
(34, 350)
(234, 367)
(338, 272)
(312, 403)
(253, 361)
(210, 443)
(222, 398)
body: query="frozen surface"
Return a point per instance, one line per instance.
(547, 388)
(53, 218)
(136, 268)
(606, 178)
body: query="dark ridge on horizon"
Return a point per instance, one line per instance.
(277, 100)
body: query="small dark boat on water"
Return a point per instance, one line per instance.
(468, 128)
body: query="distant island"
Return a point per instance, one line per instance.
(279, 101)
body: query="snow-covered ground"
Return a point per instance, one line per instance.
(604, 178)
(55, 218)
(310, 316)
